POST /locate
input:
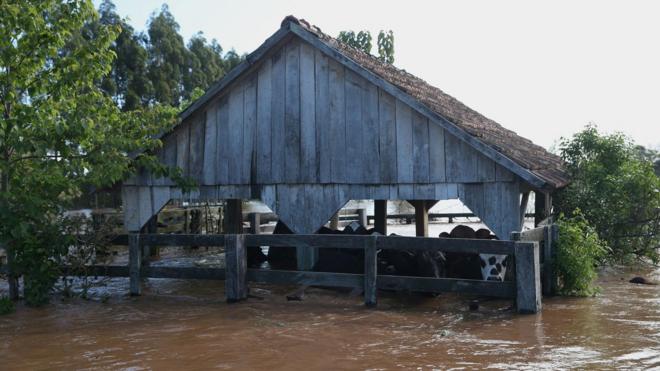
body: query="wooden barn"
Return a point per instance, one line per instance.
(307, 123)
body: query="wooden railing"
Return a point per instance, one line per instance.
(547, 237)
(525, 289)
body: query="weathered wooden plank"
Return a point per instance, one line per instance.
(278, 88)
(222, 171)
(197, 139)
(210, 146)
(370, 272)
(440, 285)
(236, 268)
(146, 205)
(183, 148)
(196, 273)
(419, 106)
(309, 165)
(233, 217)
(248, 158)
(406, 191)
(436, 153)
(421, 219)
(337, 129)
(550, 257)
(235, 145)
(491, 213)
(131, 206)
(452, 191)
(528, 277)
(313, 240)
(370, 133)
(263, 146)
(421, 164)
(486, 168)
(134, 264)
(160, 196)
(356, 164)
(503, 175)
(441, 191)
(292, 157)
(380, 216)
(322, 105)
(387, 138)
(461, 160)
(424, 192)
(446, 245)
(183, 239)
(404, 143)
(509, 208)
(306, 278)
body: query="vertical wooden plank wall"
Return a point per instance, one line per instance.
(303, 129)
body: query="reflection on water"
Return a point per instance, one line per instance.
(186, 324)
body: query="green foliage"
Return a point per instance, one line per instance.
(618, 192)
(578, 252)
(362, 41)
(386, 46)
(59, 130)
(6, 306)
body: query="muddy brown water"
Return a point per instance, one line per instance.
(185, 324)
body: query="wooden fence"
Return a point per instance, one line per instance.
(546, 237)
(525, 289)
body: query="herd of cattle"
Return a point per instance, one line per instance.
(391, 262)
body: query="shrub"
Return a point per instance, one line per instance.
(617, 191)
(6, 306)
(579, 250)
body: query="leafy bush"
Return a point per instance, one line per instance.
(578, 252)
(6, 306)
(617, 191)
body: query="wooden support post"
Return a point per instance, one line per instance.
(235, 268)
(134, 263)
(523, 209)
(528, 277)
(421, 218)
(550, 236)
(380, 216)
(362, 217)
(370, 272)
(255, 223)
(150, 227)
(334, 221)
(233, 217)
(542, 206)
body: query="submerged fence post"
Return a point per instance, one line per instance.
(370, 272)
(134, 263)
(550, 257)
(235, 268)
(528, 277)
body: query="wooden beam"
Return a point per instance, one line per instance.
(233, 216)
(528, 277)
(370, 272)
(134, 264)
(380, 216)
(421, 218)
(439, 285)
(255, 223)
(542, 206)
(235, 268)
(306, 278)
(523, 208)
(183, 239)
(334, 221)
(362, 217)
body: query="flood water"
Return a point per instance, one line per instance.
(181, 324)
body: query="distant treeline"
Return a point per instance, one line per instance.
(156, 66)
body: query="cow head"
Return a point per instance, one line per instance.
(493, 267)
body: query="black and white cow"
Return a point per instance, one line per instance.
(489, 267)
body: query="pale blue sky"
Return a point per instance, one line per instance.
(542, 69)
